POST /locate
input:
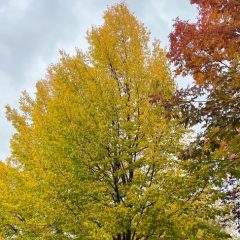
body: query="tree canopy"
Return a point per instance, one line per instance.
(209, 51)
(94, 157)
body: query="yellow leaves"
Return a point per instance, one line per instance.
(26, 103)
(98, 159)
(120, 43)
(18, 121)
(200, 234)
(159, 69)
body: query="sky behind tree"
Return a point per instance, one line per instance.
(33, 31)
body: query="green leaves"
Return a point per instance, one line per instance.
(95, 158)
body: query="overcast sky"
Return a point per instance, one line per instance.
(32, 32)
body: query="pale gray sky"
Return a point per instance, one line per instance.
(32, 32)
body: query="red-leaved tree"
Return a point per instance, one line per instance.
(209, 51)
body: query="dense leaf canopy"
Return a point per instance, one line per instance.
(94, 157)
(209, 50)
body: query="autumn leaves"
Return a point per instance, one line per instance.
(97, 157)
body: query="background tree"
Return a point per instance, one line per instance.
(209, 51)
(94, 158)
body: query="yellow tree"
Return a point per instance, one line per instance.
(94, 158)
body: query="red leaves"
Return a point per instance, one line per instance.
(210, 46)
(209, 50)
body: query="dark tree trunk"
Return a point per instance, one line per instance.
(128, 235)
(123, 236)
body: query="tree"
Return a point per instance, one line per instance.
(209, 51)
(94, 158)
